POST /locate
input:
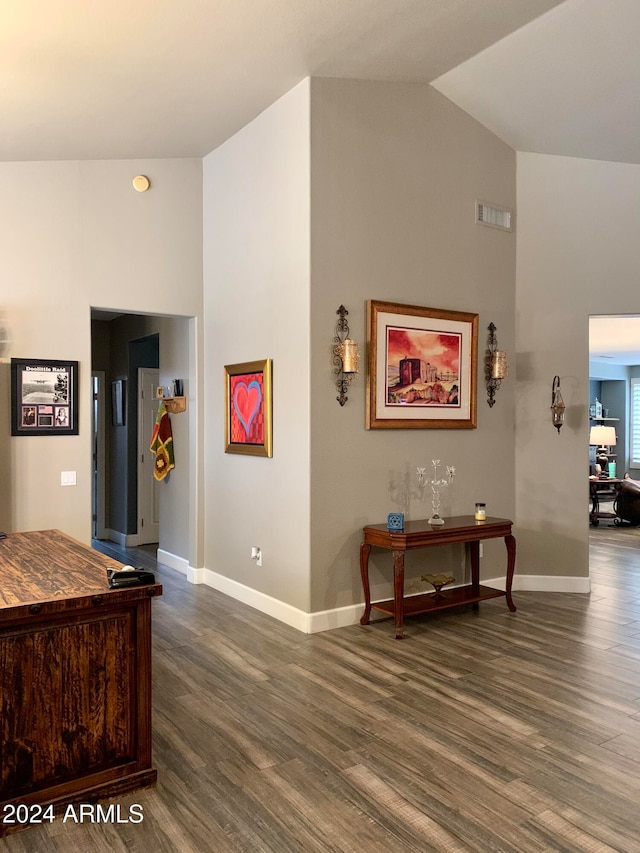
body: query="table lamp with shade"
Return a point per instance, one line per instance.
(603, 437)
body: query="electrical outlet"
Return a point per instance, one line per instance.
(67, 478)
(256, 554)
(481, 549)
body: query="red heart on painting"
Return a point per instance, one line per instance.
(246, 402)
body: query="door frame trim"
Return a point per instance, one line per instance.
(99, 497)
(142, 447)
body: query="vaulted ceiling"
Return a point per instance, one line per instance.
(83, 79)
(154, 78)
(87, 79)
(567, 83)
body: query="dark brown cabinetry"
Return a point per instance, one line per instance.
(75, 674)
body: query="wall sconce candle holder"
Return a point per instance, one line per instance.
(557, 404)
(495, 365)
(345, 356)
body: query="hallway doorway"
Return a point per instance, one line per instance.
(614, 371)
(140, 509)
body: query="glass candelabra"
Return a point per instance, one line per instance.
(436, 483)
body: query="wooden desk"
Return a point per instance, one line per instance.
(75, 674)
(418, 534)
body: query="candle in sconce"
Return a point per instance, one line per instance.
(499, 365)
(349, 356)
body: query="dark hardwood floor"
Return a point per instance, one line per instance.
(479, 732)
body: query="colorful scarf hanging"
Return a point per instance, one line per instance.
(162, 444)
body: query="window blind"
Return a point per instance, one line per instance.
(634, 422)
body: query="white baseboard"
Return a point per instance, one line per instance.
(308, 623)
(264, 603)
(179, 564)
(195, 575)
(543, 583)
(342, 617)
(125, 540)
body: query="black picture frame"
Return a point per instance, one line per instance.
(117, 402)
(44, 397)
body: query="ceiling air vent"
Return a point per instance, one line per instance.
(494, 217)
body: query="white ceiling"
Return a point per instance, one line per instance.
(614, 340)
(154, 78)
(94, 79)
(568, 83)
(109, 79)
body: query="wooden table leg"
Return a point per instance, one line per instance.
(398, 591)
(474, 553)
(365, 550)
(510, 542)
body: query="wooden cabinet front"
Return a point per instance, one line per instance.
(75, 683)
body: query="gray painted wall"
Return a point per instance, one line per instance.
(394, 174)
(256, 304)
(77, 235)
(572, 263)
(340, 192)
(396, 169)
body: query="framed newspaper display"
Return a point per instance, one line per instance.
(44, 397)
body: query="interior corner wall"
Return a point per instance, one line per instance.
(256, 306)
(577, 256)
(396, 169)
(76, 235)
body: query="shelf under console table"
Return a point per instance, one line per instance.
(419, 534)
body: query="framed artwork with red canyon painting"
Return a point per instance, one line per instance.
(248, 408)
(422, 367)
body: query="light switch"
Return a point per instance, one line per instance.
(67, 478)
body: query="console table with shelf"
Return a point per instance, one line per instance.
(419, 534)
